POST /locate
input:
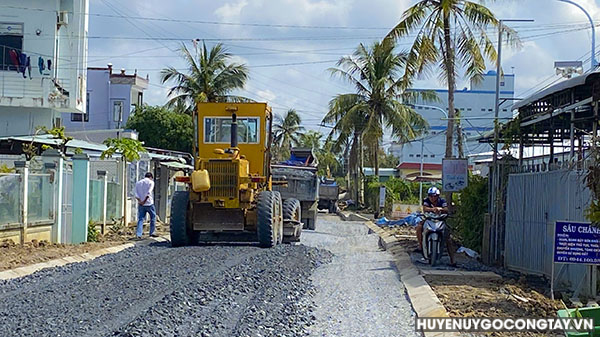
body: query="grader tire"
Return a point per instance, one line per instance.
(278, 217)
(179, 230)
(292, 211)
(267, 210)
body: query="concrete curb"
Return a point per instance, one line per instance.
(423, 299)
(28, 270)
(348, 216)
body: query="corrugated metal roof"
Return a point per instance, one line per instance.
(570, 83)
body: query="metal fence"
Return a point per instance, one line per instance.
(534, 202)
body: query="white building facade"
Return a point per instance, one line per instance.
(476, 105)
(43, 63)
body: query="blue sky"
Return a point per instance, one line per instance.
(288, 65)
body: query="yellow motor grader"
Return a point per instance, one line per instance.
(231, 195)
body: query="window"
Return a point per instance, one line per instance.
(482, 109)
(468, 109)
(140, 98)
(83, 117)
(118, 111)
(418, 156)
(505, 110)
(218, 130)
(489, 109)
(425, 156)
(411, 155)
(11, 44)
(432, 156)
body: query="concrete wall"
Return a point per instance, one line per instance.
(64, 45)
(103, 90)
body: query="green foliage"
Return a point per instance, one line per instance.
(93, 235)
(592, 181)
(129, 148)
(78, 150)
(286, 134)
(471, 206)
(211, 77)
(397, 190)
(5, 169)
(163, 128)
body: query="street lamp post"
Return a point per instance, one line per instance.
(423, 145)
(594, 63)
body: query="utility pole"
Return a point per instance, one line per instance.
(421, 174)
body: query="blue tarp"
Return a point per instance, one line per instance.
(412, 220)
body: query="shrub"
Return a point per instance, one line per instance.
(92, 234)
(471, 206)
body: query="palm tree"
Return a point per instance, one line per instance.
(379, 101)
(311, 139)
(451, 34)
(286, 133)
(210, 77)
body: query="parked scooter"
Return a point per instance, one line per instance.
(434, 231)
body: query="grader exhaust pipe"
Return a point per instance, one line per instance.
(234, 130)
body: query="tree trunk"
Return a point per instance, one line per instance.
(361, 181)
(459, 137)
(376, 167)
(352, 168)
(449, 59)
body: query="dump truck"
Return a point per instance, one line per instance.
(231, 196)
(328, 195)
(301, 182)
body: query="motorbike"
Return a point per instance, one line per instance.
(434, 231)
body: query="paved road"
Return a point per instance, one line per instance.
(359, 293)
(219, 290)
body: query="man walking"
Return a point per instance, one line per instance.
(143, 193)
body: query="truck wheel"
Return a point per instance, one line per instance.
(312, 224)
(292, 211)
(278, 217)
(267, 210)
(179, 207)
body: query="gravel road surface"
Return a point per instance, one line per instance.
(218, 290)
(359, 293)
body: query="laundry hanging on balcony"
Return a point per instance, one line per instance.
(14, 58)
(23, 64)
(28, 65)
(41, 65)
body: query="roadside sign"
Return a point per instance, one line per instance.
(381, 196)
(576, 242)
(454, 174)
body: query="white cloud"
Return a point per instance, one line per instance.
(231, 11)
(266, 94)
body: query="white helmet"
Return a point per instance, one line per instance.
(433, 190)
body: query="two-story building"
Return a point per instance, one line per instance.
(111, 98)
(43, 63)
(476, 105)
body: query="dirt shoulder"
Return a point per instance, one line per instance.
(15, 255)
(509, 296)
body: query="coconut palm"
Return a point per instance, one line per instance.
(286, 133)
(451, 34)
(379, 102)
(210, 77)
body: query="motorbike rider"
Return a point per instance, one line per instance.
(435, 204)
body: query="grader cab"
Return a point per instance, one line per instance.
(230, 195)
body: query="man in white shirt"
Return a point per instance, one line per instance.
(143, 193)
